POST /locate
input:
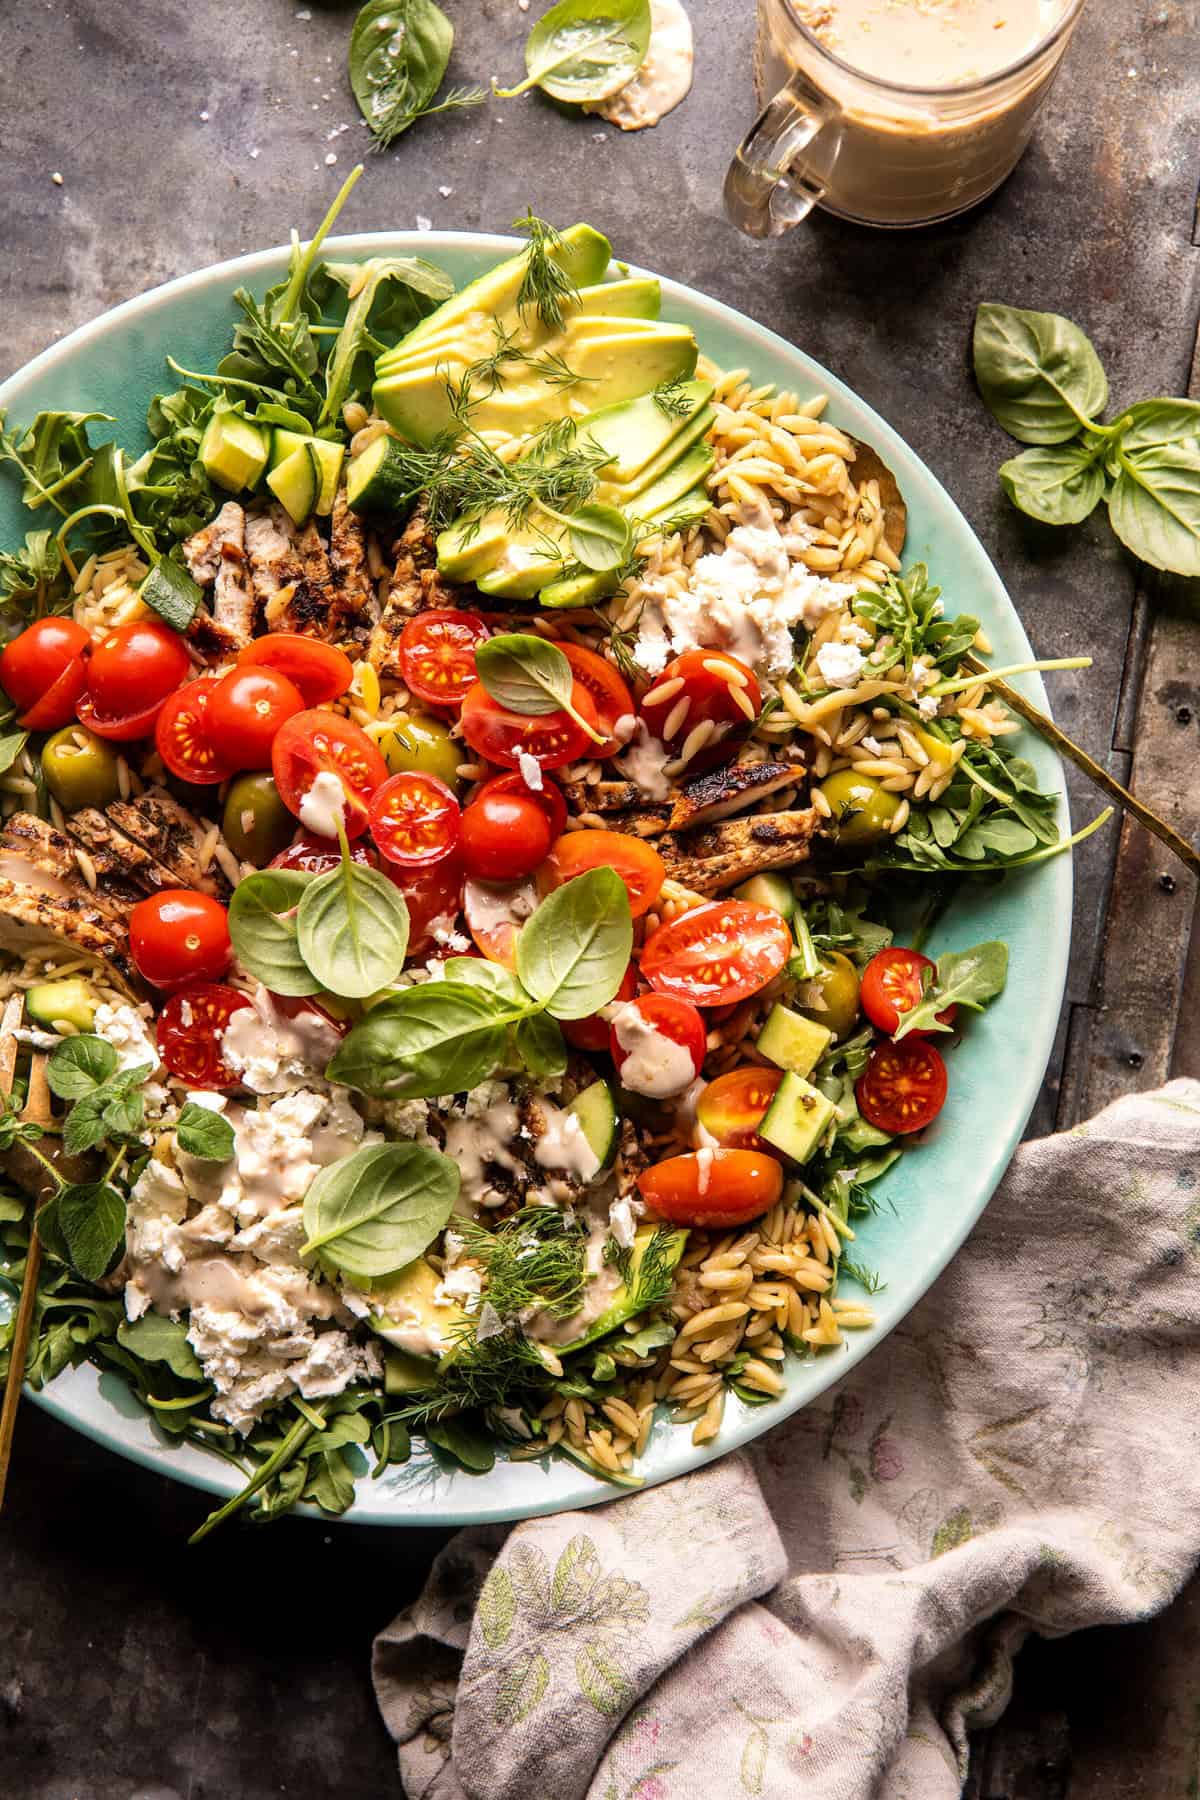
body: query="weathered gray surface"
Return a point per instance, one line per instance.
(131, 1666)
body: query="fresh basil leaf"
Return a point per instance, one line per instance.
(468, 1444)
(574, 950)
(399, 50)
(376, 1210)
(476, 972)
(525, 673)
(80, 1065)
(585, 50)
(170, 592)
(11, 745)
(1060, 484)
(202, 1132)
(1154, 505)
(967, 978)
(352, 929)
(262, 927)
(442, 1037)
(157, 1339)
(91, 1218)
(601, 537)
(1038, 373)
(540, 1045)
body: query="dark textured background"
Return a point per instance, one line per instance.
(130, 1666)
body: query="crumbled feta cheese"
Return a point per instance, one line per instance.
(622, 1220)
(323, 808)
(459, 1286)
(126, 1029)
(927, 706)
(839, 665)
(531, 771)
(270, 1053)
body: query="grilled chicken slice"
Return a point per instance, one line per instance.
(268, 543)
(414, 588)
(173, 838)
(348, 561)
(34, 855)
(642, 822)
(601, 796)
(294, 581)
(30, 920)
(717, 857)
(729, 790)
(115, 854)
(216, 558)
(204, 551)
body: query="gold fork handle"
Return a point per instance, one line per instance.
(18, 1351)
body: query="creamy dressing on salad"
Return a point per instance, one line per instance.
(323, 808)
(655, 1064)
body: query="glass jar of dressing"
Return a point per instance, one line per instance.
(892, 112)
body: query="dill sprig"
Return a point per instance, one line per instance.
(655, 1274)
(462, 477)
(535, 1258)
(866, 1278)
(499, 1371)
(545, 286)
(671, 399)
(481, 379)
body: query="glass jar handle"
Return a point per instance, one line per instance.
(764, 195)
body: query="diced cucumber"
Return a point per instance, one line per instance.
(377, 480)
(597, 1115)
(792, 1042)
(233, 451)
(72, 1001)
(296, 483)
(773, 891)
(329, 461)
(796, 1119)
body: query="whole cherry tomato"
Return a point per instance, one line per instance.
(246, 709)
(658, 1045)
(505, 836)
(177, 936)
(133, 666)
(712, 1189)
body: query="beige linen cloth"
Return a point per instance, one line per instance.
(831, 1611)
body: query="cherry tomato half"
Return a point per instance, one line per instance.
(317, 855)
(505, 836)
(712, 1188)
(189, 1029)
(415, 820)
(612, 697)
(132, 666)
(717, 688)
(56, 707)
(246, 709)
(548, 797)
(177, 936)
(731, 1108)
(314, 743)
(437, 654)
(495, 913)
(658, 1044)
(321, 671)
(893, 982)
(123, 729)
(434, 898)
(903, 1087)
(638, 863)
(183, 738)
(715, 954)
(592, 1033)
(38, 657)
(501, 736)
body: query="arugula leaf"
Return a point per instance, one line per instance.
(574, 950)
(585, 50)
(399, 51)
(441, 1037)
(262, 928)
(53, 455)
(202, 1132)
(157, 1339)
(1038, 373)
(352, 930)
(968, 978)
(27, 576)
(376, 1210)
(91, 1218)
(80, 1065)
(350, 369)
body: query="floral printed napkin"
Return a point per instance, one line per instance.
(831, 1611)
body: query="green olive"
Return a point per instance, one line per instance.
(861, 809)
(80, 769)
(425, 745)
(257, 825)
(839, 995)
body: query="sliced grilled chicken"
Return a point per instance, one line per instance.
(114, 853)
(415, 587)
(30, 920)
(173, 837)
(268, 545)
(216, 558)
(204, 550)
(34, 855)
(601, 796)
(717, 857)
(348, 561)
(729, 790)
(643, 821)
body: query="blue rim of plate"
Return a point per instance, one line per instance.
(427, 1491)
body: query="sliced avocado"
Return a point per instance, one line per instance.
(234, 451)
(638, 297)
(329, 459)
(637, 432)
(597, 1115)
(774, 891)
(632, 1295)
(582, 252)
(377, 479)
(791, 1041)
(796, 1119)
(627, 493)
(407, 1316)
(622, 365)
(296, 483)
(691, 510)
(72, 1001)
(463, 553)
(578, 590)
(405, 1374)
(517, 581)
(693, 468)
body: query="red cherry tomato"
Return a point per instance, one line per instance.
(548, 797)
(611, 695)
(592, 1033)
(189, 1028)
(893, 982)
(177, 936)
(712, 1188)
(716, 687)
(122, 730)
(504, 836)
(638, 863)
(319, 854)
(321, 671)
(500, 736)
(132, 666)
(437, 654)
(183, 736)
(415, 820)
(903, 1087)
(246, 709)
(731, 1108)
(57, 705)
(434, 898)
(33, 661)
(719, 953)
(651, 1068)
(495, 913)
(314, 743)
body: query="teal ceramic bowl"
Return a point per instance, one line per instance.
(936, 1194)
